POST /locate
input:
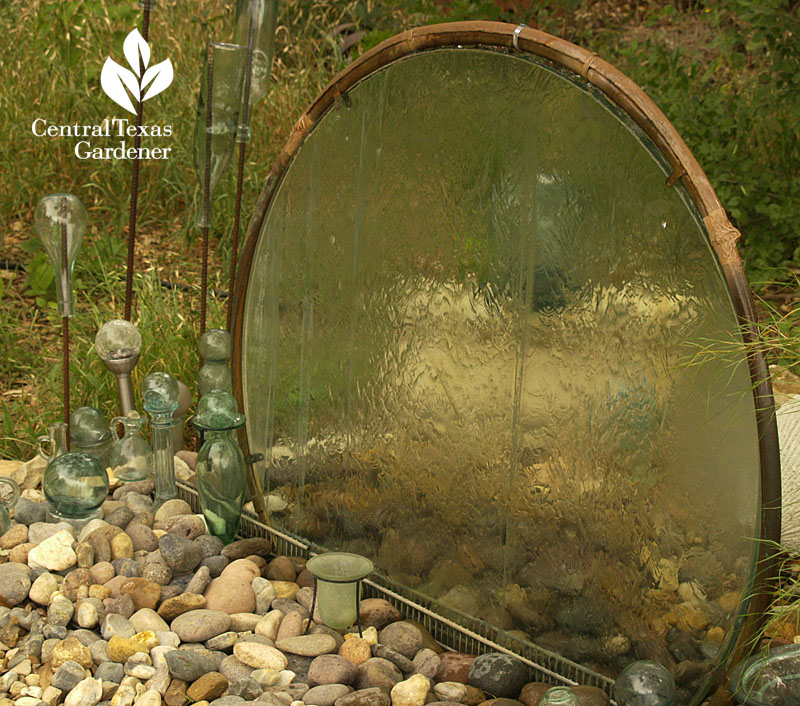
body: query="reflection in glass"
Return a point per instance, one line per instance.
(217, 115)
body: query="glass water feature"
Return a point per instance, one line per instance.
(255, 29)
(645, 683)
(337, 586)
(118, 343)
(498, 357)
(131, 458)
(217, 116)
(76, 485)
(214, 347)
(60, 224)
(220, 467)
(89, 433)
(769, 679)
(160, 393)
(7, 502)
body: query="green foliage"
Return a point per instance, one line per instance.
(736, 103)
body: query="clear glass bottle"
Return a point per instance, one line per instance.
(214, 347)
(75, 485)
(89, 433)
(131, 457)
(160, 395)
(7, 504)
(559, 696)
(221, 471)
(57, 440)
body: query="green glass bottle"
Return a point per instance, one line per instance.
(220, 469)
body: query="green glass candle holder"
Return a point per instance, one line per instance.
(337, 587)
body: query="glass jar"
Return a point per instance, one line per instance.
(89, 433)
(57, 441)
(131, 457)
(559, 696)
(7, 503)
(75, 485)
(220, 469)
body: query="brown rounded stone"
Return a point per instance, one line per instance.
(356, 649)
(74, 580)
(145, 593)
(176, 693)
(454, 666)
(121, 547)
(281, 568)
(378, 612)
(19, 554)
(173, 607)
(15, 536)
(208, 687)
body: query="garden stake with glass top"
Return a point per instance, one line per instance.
(60, 223)
(145, 5)
(255, 23)
(217, 110)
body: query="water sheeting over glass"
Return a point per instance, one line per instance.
(487, 347)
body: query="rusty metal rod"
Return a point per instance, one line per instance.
(207, 192)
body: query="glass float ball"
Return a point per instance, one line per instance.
(645, 683)
(118, 339)
(160, 393)
(75, 485)
(217, 410)
(88, 426)
(215, 345)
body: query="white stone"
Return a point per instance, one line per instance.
(269, 624)
(51, 695)
(161, 679)
(90, 527)
(124, 696)
(54, 554)
(266, 677)
(369, 634)
(88, 615)
(285, 677)
(87, 693)
(151, 697)
(259, 656)
(43, 588)
(411, 692)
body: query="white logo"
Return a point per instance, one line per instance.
(115, 78)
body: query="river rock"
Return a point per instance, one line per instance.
(17, 534)
(148, 619)
(200, 625)
(171, 508)
(404, 664)
(43, 588)
(157, 573)
(280, 568)
(115, 624)
(373, 696)
(40, 531)
(377, 672)
(427, 663)
(411, 692)
(181, 555)
(190, 664)
(356, 650)
(27, 512)
(234, 670)
(183, 603)
(498, 674)
(54, 554)
(231, 594)
(67, 676)
(403, 637)
(208, 687)
(145, 594)
(187, 526)
(259, 656)
(68, 650)
(454, 666)
(378, 612)
(142, 538)
(87, 693)
(332, 669)
(326, 695)
(260, 546)
(291, 626)
(307, 645)
(15, 583)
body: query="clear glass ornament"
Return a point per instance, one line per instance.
(59, 222)
(215, 347)
(220, 468)
(75, 485)
(160, 394)
(645, 683)
(217, 116)
(89, 433)
(559, 696)
(769, 679)
(118, 343)
(131, 457)
(57, 439)
(255, 29)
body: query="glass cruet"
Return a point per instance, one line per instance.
(214, 347)
(75, 485)
(57, 440)
(131, 457)
(220, 469)
(89, 433)
(160, 394)
(7, 503)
